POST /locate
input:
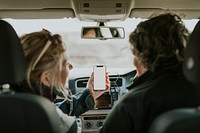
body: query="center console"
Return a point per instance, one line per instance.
(92, 120)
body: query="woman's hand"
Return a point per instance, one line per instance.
(90, 86)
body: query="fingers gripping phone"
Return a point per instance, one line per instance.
(99, 77)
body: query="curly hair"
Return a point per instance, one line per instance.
(159, 41)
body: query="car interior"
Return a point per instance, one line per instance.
(113, 21)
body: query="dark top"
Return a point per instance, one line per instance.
(151, 95)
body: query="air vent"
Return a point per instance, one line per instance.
(116, 82)
(82, 83)
(118, 4)
(86, 5)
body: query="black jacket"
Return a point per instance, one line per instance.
(151, 95)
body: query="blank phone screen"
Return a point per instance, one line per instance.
(99, 77)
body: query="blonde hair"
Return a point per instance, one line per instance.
(44, 51)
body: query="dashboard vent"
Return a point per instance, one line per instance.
(82, 83)
(116, 82)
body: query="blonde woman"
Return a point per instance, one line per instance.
(47, 74)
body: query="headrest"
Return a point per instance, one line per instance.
(191, 66)
(12, 60)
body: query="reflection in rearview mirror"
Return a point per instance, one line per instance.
(103, 32)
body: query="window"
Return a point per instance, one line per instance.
(84, 53)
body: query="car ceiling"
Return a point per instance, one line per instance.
(96, 10)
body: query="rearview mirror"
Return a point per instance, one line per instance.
(103, 32)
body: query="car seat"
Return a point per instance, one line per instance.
(185, 120)
(21, 112)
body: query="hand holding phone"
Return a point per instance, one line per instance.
(99, 77)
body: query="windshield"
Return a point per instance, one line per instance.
(85, 53)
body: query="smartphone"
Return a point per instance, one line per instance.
(99, 77)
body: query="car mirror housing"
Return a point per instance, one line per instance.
(102, 32)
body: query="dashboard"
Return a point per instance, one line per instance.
(120, 80)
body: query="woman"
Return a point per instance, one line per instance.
(47, 74)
